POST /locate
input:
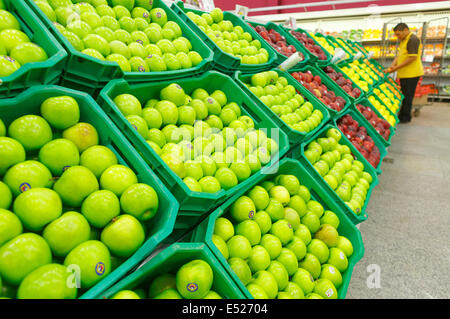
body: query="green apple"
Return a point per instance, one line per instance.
(170, 293)
(100, 207)
(283, 230)
(241, 269)
(303, 233)
(58, 155)
(192, 184)
(195, 57)
(10, 38)
(260, 197)
(249, 229)
(168, 111)
(159, 16)
(125, 294)
(311, 221)
(280, 273)
(117, 178)
(2, 128)
(275, 209)
(298, 247)
(21, 255)
(298, 204)
(66, 232)
(83, 135)
(241, 169)
(123, 63)
(37, 207)
(209, 184)
(312, 264)
(8, 21)
(10, 226)
(294, 290)
(26, 175)
(289, 260)
(259, 259)
(194, 279)
(330, 218)
(221, 245)
(328, 234)
(61, 112)
(223, 228)
(304, 280)
(325, 289)
(345, 245)
(140, 200)
(216, 15)
(256, 291)
(11, 153)
(32, 131)
(226, 177)
(331, 273)
(47, 282)
(75, 184)
(93, 259)
(243, 208)
(161, 283)
(97, 159)
(80, 28)
(338, 259)
(128, 104)
(239, 246)
(123, 235)
(175, 163)
(28, 52)
(266, 281)
(263, 220)
(6, 197)
(319, 249)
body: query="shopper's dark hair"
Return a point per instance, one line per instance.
(401, 27)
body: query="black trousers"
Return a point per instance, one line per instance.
(408, 86)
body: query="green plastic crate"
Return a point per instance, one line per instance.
(358, 47)
(79, 84)
(377, 139)
(332, 40)
(224, 62)
(294, 136)
(331, 85)
(99, 72)
(346, 227)
(36, 73)
(366, 102)
(159, 227)
(194, 203)
(289, 40)
(313, 59)
(169, 260)
(299, 153)
(354, 85)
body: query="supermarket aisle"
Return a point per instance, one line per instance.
(406, 237)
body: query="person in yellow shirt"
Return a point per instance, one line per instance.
(409, 67)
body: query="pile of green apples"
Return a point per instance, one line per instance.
(132, 33)
(281, 243)
(16, 48)
(193, 280)
(233, 40)
(203, 137)
(340, 170)
(282, 98)
(66, 204)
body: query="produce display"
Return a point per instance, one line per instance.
(308, 42)
(230, 38)
(283, 244)
(379, 124)
(314, 84)
(338, 167)
(193, 280)
(66, 201)
(359, 137)
(202, 136)
(358, 75)
(276, 40)
(136, 35)
(254, 177)
(282, 98)
(16, 48)
(345, 84)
